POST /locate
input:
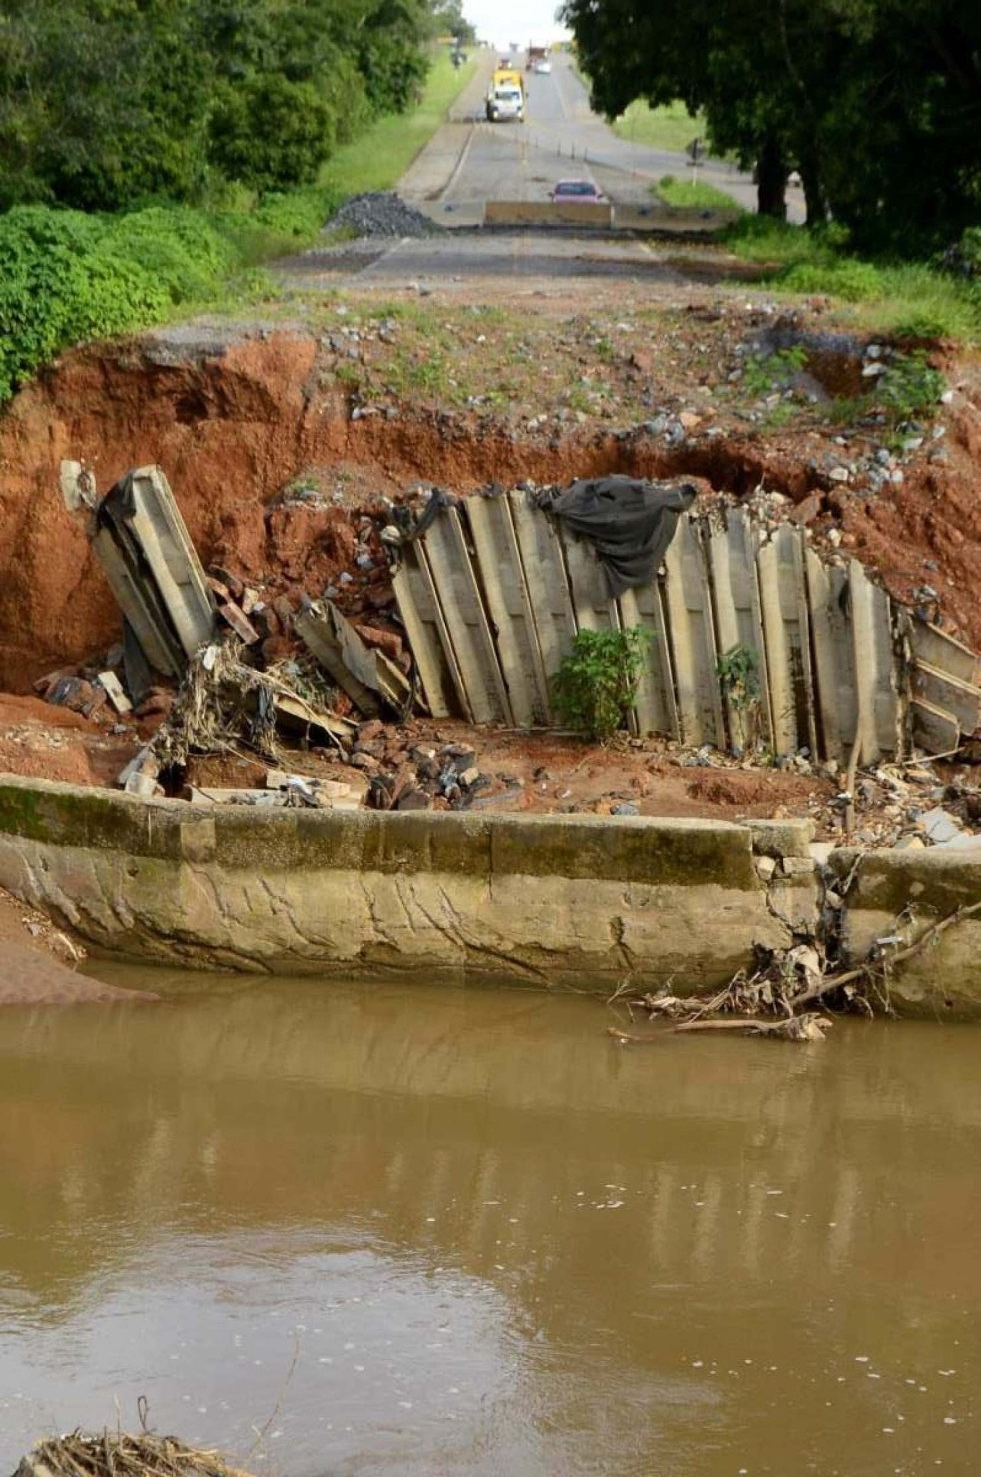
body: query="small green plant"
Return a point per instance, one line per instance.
(763, 373)
(595, 687)
(909, 387)
(738, 671)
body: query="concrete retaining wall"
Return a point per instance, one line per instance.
(581, 900)
(905, 893)
(551, 900)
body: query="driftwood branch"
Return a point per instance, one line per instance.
(727, 1010)
(862, 971)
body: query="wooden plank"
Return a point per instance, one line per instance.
(364, 672)
(780, 686)
(546, 580)
(446, 552)
(157, 525)
(416, 607)
(156, 640)
(940, 651)
(962, 700)
(793, 604)
(693, 646)
(505, 588)
(316, 630)
(731, 550)
(783, 596)
(591, 599)
(833, 670)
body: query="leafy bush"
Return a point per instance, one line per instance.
(596, 684)
(66, 277)
(271, 133)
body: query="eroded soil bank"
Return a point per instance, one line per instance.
(285, 442)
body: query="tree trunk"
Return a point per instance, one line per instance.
(815, 200)
(771, 181)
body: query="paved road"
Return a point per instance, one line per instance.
(471, 161)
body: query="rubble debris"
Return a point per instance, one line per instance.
(114, 691)
(223, 703)
(367, 675)
(141, 774)
(382, 213)
(116, 1454)
(286, 791)
(786, 983)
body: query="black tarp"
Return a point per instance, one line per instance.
(629, 521)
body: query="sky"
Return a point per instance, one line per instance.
(521, 21)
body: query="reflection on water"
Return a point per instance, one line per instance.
(398, 1230)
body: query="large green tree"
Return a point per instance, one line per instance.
(104, 103)
(876, 102)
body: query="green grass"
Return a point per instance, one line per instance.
(382, 155)
(906, 299)
(671, 127)
(685, 195)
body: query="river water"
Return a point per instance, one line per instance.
(409, 1230)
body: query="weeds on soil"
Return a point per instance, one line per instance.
(596, 684)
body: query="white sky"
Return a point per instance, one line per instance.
(521, 21)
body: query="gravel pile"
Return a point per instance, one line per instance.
(383, 213)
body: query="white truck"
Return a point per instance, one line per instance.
(505, 99)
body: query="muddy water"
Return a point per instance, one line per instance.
(414, 1231)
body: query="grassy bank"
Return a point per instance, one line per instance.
(693, 195)
(671, 128)
(67, 277)
(908, 299)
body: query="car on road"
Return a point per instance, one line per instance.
(576, 192)
(543, 68)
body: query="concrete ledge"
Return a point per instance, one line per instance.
(907, 892)
(588, 900)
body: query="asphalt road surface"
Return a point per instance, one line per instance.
(471, 161)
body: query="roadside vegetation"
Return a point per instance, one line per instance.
(929, 299)
(693, 195)
(670, 127)
(97, 240)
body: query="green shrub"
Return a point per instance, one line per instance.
(67, 277)
(596, 684)
(271, 133)
(910, 387)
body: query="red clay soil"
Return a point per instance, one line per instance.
(275, 462)
(233, 426)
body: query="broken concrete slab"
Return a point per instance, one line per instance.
(366, 674)
(140, 539)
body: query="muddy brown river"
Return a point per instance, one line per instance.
(416, 1231)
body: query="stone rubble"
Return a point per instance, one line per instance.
(382, 213)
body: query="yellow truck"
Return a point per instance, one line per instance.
(505, 101)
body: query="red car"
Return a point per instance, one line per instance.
(576, 191)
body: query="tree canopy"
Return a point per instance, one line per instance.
(107, 103)
(876, 102)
